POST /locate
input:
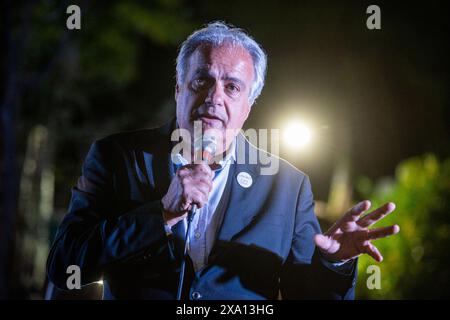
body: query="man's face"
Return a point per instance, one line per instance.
(216, 91)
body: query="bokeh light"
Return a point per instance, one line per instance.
(297, 135)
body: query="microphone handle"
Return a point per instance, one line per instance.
(190, 216)
(192, 212)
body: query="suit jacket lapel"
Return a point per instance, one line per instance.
(240, 212)
(163, 174)
(158, 161)
(160, 171)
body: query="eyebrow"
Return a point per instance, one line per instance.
(237, 80)
(205, 72)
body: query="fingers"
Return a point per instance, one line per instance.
(325, 244)
(195, 197)
(382, 232)
(373, 251)
(201, 170)
(354, 213)
(191, 184)
(196, 171)
(199, 198)
(376, 215)
(351, 215)
(196, 184)
(322, 242)
(203, 185)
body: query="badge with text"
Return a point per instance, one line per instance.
(244, 179)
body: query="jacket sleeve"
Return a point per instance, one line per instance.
(92, 235)
(305, 275)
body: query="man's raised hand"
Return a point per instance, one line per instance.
(350, 236)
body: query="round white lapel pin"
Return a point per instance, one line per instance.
(244, 179)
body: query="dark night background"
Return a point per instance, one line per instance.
(378, 103)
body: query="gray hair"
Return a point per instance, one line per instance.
(216, 34)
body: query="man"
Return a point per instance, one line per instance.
(254, 236)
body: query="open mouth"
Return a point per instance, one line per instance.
(205, 116)
(208, 118)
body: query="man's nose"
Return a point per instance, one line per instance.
(215, 95)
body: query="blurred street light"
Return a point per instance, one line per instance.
(297, 135)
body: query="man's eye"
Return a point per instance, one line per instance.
(233, 88)
(199, 83)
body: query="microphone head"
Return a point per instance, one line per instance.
(209, 144)
(207, 148)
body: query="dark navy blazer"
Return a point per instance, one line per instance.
(264, 248)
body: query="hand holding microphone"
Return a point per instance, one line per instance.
(190, 186)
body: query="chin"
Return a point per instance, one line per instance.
(208, 126)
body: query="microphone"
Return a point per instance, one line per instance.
(206, 149)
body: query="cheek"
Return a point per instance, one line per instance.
(195, 99)
(187, 101)
(239, 115)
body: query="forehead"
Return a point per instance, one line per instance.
(227, 58)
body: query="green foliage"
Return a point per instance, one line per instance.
(416, 261)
